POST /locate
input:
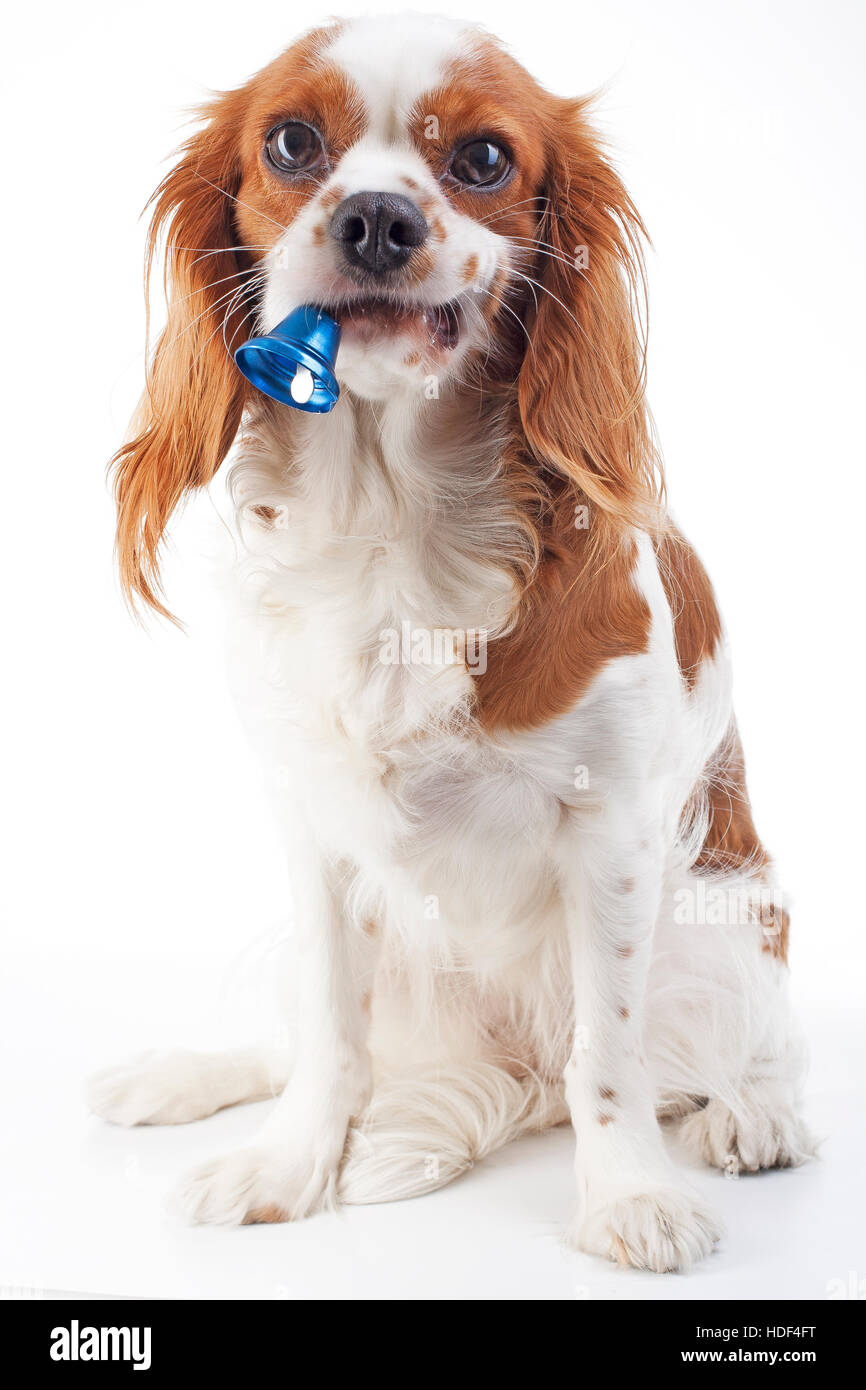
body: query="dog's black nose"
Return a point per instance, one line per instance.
(378, 231)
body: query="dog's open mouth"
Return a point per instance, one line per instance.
(369, 318)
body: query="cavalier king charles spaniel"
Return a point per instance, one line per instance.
(485, 672)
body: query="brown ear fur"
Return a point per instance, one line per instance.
(581, 386)
(194, 397)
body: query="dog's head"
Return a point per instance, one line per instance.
(460, 222)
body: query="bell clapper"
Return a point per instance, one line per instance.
(302, 386)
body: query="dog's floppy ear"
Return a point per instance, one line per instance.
(581, 385)
(194, 397)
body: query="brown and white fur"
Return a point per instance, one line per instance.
(526, 892)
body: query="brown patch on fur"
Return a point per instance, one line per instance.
(623, 1013)
(627, 885)
(605, 1119)
(485, 90)
(437, 229)
(332, 198)
(266, 1216)
(574, 617)
(625, 952)
(318, 235)
(411, 184)
(606, 1093)
(265, 514)
(412, 359)
(371, 926)
(618, 1251)
(776, 926)
(470, 269)
(731, 843)
(491, 302)
(419, 265)
(697, 626)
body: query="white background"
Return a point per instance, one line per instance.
(137, 841)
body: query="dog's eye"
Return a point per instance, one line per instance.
(294, 148)
(480, 163)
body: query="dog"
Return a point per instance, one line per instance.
(486, 672)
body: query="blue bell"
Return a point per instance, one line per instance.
(294, 363)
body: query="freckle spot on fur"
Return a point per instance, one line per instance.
(625, 952)
(410, 183)
(421, 264)
(470, 269)
(265, 1216)
(365, 1002)
(618, 1252)
(426, 204)
(318, 234)
(437, 230)
(624, 1013)
(775, 926)
(332, 198)
(412, 359)
(606, 1093)
(627, 885)
(605, 1119)
(370, 927)
(492, 300)
(266, 514)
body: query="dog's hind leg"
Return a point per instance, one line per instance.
(172, 1088)
(728, 1048)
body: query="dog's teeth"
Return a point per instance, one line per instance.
(302, 386)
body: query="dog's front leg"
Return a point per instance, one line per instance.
(289, 1169)
(633, 1207)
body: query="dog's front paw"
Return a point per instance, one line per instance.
(254, 1185)
(663, 1230)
